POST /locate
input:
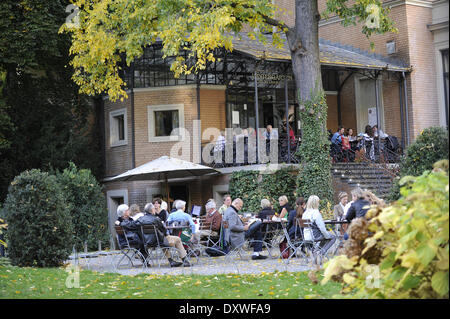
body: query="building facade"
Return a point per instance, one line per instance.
(402, 87)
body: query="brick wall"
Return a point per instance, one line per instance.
(414, 46)
(118, 158)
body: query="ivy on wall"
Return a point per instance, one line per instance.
(314, 177)
(253, 186)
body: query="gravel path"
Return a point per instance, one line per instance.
(203, 266)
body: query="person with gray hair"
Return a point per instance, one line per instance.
(213, 218)
(182, 218)
(237, 231)
(150, 218)
(132, 238)
(267, 211)
(123, 212)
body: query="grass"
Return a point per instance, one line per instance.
(20, 283)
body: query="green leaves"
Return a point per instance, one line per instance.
(439, 282)
(253, 187)
(414, 241)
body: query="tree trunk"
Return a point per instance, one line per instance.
(303, 42)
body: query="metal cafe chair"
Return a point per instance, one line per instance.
(158, 251)
(129, 251)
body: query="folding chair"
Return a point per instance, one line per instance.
(129, 251)
(311, 245)
(157, 251)
(246, 246)
(295, 245)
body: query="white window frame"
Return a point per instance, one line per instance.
(151, 109)
(113, 131)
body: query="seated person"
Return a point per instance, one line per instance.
(135, 212)
(337, 137)
(337, 152)
(266, 212)
(213, 218)
(284, 206)
(367, 142)
(319, 232)
(377, 132)
(160, 212)
(236, 232)
(359, 208)
(182, 218)
(151, 240)
(339, 209)
(123, 213)
(294, 215)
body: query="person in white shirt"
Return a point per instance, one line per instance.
(220, 143)
(319, 232)
(377, 132)
(135, 212)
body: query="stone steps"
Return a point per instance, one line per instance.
(367, 176)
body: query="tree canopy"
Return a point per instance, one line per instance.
(107, 30)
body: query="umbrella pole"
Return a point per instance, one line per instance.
(167, 193)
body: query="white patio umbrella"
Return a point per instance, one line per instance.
(164, 168)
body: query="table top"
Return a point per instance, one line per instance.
(331, 221)
(177, 227)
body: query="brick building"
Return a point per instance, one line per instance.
(402, 86)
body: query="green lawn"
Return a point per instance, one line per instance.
(18, 282)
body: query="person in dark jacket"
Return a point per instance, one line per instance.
(293, 229)
(359, 208)
(123, 213)
(266, 211)
(152, 240)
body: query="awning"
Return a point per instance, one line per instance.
(331, 53)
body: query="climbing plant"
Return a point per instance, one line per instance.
(253, 186)
(314, 177)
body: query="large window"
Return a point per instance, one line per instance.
(118, 127)
(165, 122)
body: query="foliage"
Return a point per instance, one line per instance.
(252, 187)
(107, 29)
(429, 147)
(39, 225)
(87, 206)
(314, 177)
(3, 226)
(408, 244)
(48, 124)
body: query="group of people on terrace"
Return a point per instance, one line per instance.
(345, 144)
(229, 221)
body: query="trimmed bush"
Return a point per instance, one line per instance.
(429, 147)
(40, 228)
(87, 206)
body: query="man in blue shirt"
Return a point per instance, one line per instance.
(337, 137)
(181, 217)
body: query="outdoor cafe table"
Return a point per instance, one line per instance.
(176, 230)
